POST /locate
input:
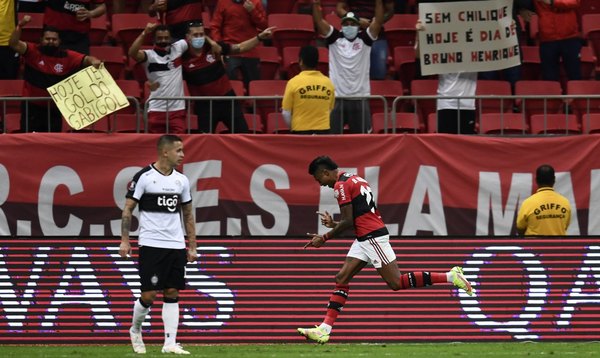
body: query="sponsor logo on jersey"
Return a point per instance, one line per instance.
(131, 186)
(336, 193)
(170, 202)
(342, 193)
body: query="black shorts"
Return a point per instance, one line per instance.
(162, 268)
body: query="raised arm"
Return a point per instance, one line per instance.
(378, 20)
(135, 51)
(15, 42)
(253, 42)
(323, 26)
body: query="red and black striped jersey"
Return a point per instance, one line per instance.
(60, 14)
(205, 74)
(42, 71)
(352, 189)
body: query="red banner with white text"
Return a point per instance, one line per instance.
(258, 185)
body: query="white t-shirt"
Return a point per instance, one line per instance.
(457, 85)
(166, 70)
(350, 62)
(160, 198)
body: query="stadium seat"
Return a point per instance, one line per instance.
(131, 88)
(530, 63)
(290, 61)
(100, 126)
(432, 122)
(333, 20)
(276, 124)
(584, 88)
(389, 89)
(10, 88)
(267, 88)
(280, 7)
(400, 30)
(590, 123)
(238, 87)
(403, 122)
(270, 62)
(425, 107)
(590, 26)
(534, 29)
(113, 58)
(254, 122)
(127, 123)
(11, 122)
(540, 89)
(98, 30)
(493, 88)
(127, 27)
(554, 124)
(405, 65)
(33, 31)
(503, 123)
(292, 30)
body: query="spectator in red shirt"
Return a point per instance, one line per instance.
(45, 65)
(235, 21)
(205, 75)
(72, 20)
(177, 14)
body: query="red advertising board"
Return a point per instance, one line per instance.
(258, 185)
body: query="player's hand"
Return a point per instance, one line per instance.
(326, 219)
(125, 249)
(316, 241)
(192, 255)
(25, 20)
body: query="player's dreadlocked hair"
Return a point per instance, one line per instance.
(322, 161)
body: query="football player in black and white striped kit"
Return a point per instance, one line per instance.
(163, 195)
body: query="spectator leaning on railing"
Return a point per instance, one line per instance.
(45, 65)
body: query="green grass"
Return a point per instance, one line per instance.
(435, 350)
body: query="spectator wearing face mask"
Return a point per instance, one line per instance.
(163, 70)
(349, 65)
(205, 75)
(46, 64)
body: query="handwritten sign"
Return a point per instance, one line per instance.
(467, 36)
(86, 96)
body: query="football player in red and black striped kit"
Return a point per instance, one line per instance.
(372, 245)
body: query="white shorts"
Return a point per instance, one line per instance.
(376, 251)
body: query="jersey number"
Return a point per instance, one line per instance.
(366, 192)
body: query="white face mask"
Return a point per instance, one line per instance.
(350, 32)
(198, 42)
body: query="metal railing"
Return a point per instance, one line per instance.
(558, 114)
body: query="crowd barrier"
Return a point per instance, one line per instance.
(499, 115)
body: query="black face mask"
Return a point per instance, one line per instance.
(162, 48)
(49, 50)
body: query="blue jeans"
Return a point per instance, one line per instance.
(379, 54)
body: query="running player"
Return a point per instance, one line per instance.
(371, 245)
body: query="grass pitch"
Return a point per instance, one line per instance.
(436, 350)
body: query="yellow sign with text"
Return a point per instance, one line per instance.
(87, 96)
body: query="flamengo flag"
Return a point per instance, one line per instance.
(86, 96)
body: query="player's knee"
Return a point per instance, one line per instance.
(171, 293)
(148, 298)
